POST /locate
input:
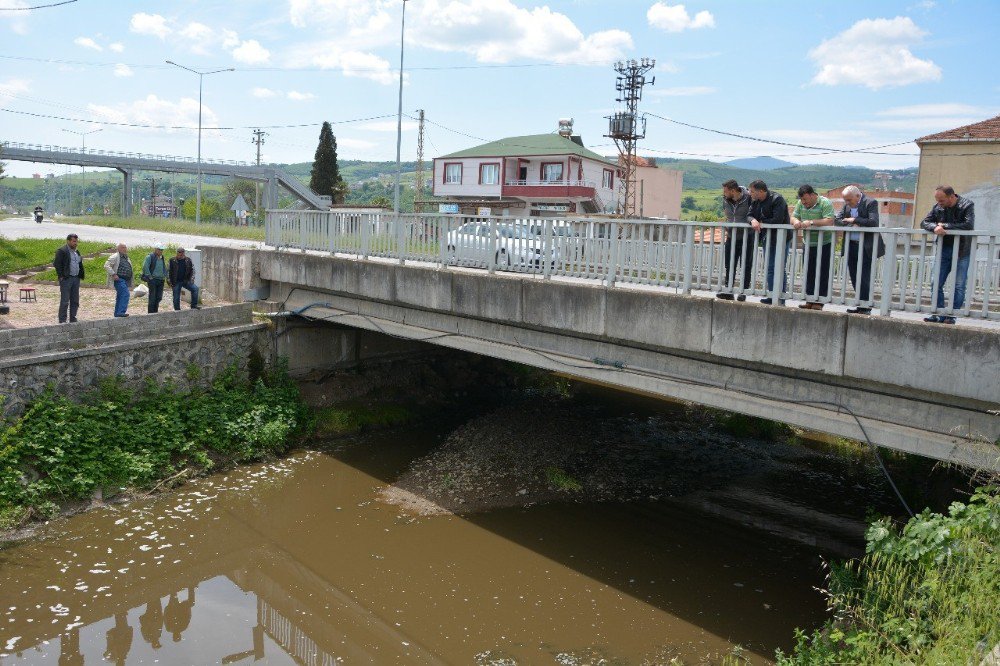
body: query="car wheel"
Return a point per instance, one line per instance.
(503, 259)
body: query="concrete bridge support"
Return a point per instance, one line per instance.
(126, 192)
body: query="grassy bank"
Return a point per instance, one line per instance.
(17, 255)
(60, 453)
(173, 226)
(926, 594)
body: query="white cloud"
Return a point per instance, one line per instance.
(683, 91)
(149, 24)
(388, 126)
(354, 144)
(874, 53)
(675, 18)
(498, 31)
(14, 86)
(297, 96)
(328, 55)
(230, 39)
(88, 43)
(122, 70)
(196, 31)
(251, 52)
(264, 93)
(117, 47)
(16, 20)
(151, 110)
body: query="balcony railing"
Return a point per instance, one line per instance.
(683, 256)
(553, 183)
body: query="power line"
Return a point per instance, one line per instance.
(191, 127)
(28, 9)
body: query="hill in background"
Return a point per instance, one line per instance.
(759, 163)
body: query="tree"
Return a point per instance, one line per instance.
(381, 202)
(688, 202)
(325, 176)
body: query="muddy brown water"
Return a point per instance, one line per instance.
(295, 562)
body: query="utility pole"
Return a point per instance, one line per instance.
(152, 195)
(627, 127)
(420, 159)
(399, 115)
(258, 138)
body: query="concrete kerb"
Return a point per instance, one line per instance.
(561, 306)
(487, 296)
(954, 361)
(670, 321)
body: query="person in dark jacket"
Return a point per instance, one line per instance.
(739, 245)
(768, 209)
(180, 275)
(951, 213)
(154, 273)
(860, 211)
(68, 263)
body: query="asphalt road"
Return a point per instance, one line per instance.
(26, 227)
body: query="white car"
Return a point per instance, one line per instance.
(509, 245)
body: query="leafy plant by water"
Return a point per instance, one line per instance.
(61, 451)
(926, 594)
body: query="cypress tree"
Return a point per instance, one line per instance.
(325, 175)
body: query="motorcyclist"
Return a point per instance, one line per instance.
(38, 214)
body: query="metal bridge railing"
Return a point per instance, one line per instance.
(113, 153)
(684, 256)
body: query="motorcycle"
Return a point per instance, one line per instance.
(38, 215)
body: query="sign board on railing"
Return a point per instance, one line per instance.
(448, 208)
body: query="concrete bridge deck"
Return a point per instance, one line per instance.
(927, 390)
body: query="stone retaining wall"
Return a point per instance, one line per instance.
(187, 347)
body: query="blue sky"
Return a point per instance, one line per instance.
(829, 74)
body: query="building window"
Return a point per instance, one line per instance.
(489, 174)
(552, 172)
(453, 173)
(609, 179)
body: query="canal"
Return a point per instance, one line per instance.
(300, 561)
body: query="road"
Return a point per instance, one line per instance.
(25, 227)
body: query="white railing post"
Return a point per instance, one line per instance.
(400, 239)
(302, 234)
(688, 258)
(548, 256)
(888, 274)
(494, 245)
(365, 222)
(612, 260)
(330, 235)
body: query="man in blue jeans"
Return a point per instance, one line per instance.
(119, 270)
(181, 276)
(951, 213)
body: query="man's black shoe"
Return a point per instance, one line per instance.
(72, 321)
(863, 311)
(725, 297)
(741, 298)
(765, 301)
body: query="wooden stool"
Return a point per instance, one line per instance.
(27, 295)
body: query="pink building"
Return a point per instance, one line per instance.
(538, 175)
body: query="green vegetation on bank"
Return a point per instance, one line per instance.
(22, 253)
(174, 226)
(113, 440)
(349, 419)
(926, 594)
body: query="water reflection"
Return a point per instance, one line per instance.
(294, 563)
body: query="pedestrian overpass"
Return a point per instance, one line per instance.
(273, 178)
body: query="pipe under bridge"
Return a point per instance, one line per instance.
(128, 163)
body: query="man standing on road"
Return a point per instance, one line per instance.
(154, 273)
(119, 270)
(181, 276)
(951, 213)
(69, 268)
(768, 208)
(738, 246)
(860, 211)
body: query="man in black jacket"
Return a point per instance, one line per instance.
(860, 211)
(69, 268)
(739, 242)
(768, 208)
(180, 275)
(951, 213)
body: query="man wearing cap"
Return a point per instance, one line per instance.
(154, 273)
(69, 269)
(181, 276)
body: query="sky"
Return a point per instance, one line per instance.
(845, 75)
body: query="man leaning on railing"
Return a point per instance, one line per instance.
(951, 213)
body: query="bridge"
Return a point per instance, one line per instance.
(623, 304)
(128, 163)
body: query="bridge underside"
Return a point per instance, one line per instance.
(919, 389)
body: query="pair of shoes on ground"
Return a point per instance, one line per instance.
(939, 319)
(768, 301)
(122, 315)
(863, 311)
(811, 306)
(729, 297)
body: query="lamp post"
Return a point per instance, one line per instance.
(83, 169)
(399, 113)
(201, 76)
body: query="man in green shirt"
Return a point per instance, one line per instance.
(811, 211)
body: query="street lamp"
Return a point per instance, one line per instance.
(399, 114)
(201, 76)
(83, 169)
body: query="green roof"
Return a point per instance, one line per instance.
(534, 144)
